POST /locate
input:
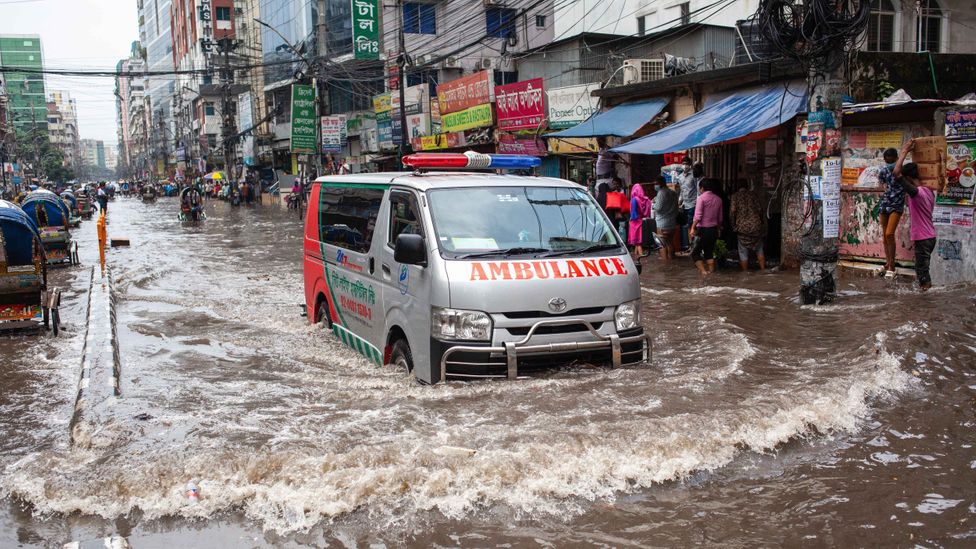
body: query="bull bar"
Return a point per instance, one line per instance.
(513, 350)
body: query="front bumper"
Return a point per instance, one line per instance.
(506, 360)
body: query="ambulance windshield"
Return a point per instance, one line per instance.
(508, 221)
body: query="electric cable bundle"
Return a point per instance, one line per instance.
(815, 33)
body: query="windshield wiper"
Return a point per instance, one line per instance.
(586, 249)
(506, 251)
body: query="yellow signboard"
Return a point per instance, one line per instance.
(474, 117)
(572, 145)
(382, 103)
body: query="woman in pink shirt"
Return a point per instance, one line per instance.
(706, 226)
(921, 201)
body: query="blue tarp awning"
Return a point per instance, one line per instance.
(736, 116)
(622, 121)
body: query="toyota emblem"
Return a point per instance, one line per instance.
(557, 304)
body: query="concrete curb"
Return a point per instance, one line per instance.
(101, 360)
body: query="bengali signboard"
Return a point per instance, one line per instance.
(333, 133)
(960, 125)
(572, 145)
(439, 141)
(521, 106)
(514, 144)
(465, 92)
(303, 123)
(570, 105)
(382, 103)
(473, 117)
(366, 29)
(418, 125)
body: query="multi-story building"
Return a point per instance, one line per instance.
(67, 110)
(27, 106)
(200, 28)
(111, 158)
(155, 34)
(93, 153)
(644, 17)
(131, 103)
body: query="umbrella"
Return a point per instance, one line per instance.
(216, 176)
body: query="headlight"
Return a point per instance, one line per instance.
(627, 315)
(460, 325)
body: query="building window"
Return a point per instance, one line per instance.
(929, 27)
(419, 18)
(222, 14)
(641, 25)
(209, 110)
(499, 22)
(685, 13)
(540, 21)
(881, 26)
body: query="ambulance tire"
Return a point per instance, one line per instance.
(322, 313)
(400, 356)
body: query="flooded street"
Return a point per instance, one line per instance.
(758, 422)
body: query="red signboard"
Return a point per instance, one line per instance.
(465, 92)
(520, 106)
(511, 144)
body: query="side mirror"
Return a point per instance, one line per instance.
(410, 250)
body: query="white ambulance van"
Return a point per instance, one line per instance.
(453, 274)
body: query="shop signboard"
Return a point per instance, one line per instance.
(465, 92)
(304, 133)
(333, 133)
(570, 105)
(418, 125)
(473, 117)
(515, 144)
(366, 29)
(245, 117)
(960, 174)
(960, 125)
(384, 131)
(382, 103)
(439, 141)
(520, 106)
(572, 145)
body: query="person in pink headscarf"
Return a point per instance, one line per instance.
(640, 209)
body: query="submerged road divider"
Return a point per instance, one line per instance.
(101, 362)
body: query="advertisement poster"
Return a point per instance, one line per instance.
(512, 144)
(570, 105)
(418, 125)
(811, 188)
(465, 92)
(474, 117)
(831, 218)
(382, 103)
(304, 133)
(751, 152)
(520, 106)
(862, 149)
(960, 174)
(830, 181)
(960, 125)
(366, 29)
(942, 215)
(333, 133)
(439, 141)
(962, 217)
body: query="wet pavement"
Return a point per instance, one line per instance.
(760, 422)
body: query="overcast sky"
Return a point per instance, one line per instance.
(79, 34)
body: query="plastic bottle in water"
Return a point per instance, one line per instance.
(192, 492)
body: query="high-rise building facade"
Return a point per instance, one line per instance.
(131, 102)
(156, 36)
(27, 101)
(69, 135)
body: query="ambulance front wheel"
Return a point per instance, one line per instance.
(400, 356)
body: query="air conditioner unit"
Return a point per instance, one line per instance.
(451, 62)
(494, 2)
(485, 63)
(642, 70)
(424, 59)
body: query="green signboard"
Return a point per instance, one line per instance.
(366, 29)
(474, 117)
(304, 125)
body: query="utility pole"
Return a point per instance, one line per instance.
(322, 50)
(228, 116)
(402, 61)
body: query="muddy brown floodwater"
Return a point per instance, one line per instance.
(759, 422)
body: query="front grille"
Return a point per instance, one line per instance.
(544, 314)
(549, 330)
